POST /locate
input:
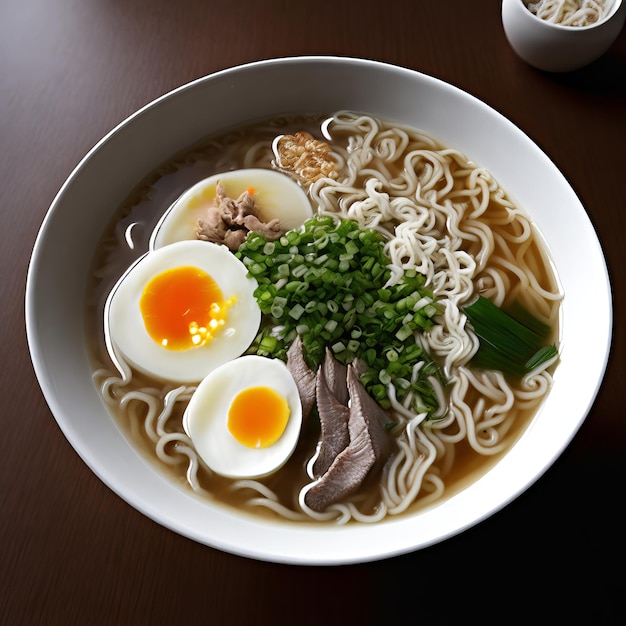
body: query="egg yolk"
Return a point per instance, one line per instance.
(258, 417)
(183, 308)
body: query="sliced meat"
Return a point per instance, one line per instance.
(334, 414)
(302, 374)
(366, 413)
(367, 451)
(336, 375)
(344, 476)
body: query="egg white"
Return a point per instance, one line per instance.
(206, 417)
(276, 196)
(128, 333)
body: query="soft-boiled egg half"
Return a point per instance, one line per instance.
(245, 417)
(183, 310)
(275, 196)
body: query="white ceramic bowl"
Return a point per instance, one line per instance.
(556, 48)
(56, 290)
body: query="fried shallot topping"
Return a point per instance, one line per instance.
(308, 158)
(229, 221)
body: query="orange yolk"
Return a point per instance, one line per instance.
(258, 416)
(183, 308)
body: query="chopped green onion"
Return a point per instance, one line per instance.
(268, 344)
(296, 311)
(327, 282)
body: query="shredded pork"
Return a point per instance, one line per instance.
(228, 221)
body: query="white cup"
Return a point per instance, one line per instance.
(556, 48)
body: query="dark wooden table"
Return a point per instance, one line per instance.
(72, 552)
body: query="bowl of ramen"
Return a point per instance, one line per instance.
(320, 326)
(562, 35)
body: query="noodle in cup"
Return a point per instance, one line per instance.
(562, 35)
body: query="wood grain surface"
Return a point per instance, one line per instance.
(72, 552)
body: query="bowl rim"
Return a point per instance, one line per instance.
(360, 548)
